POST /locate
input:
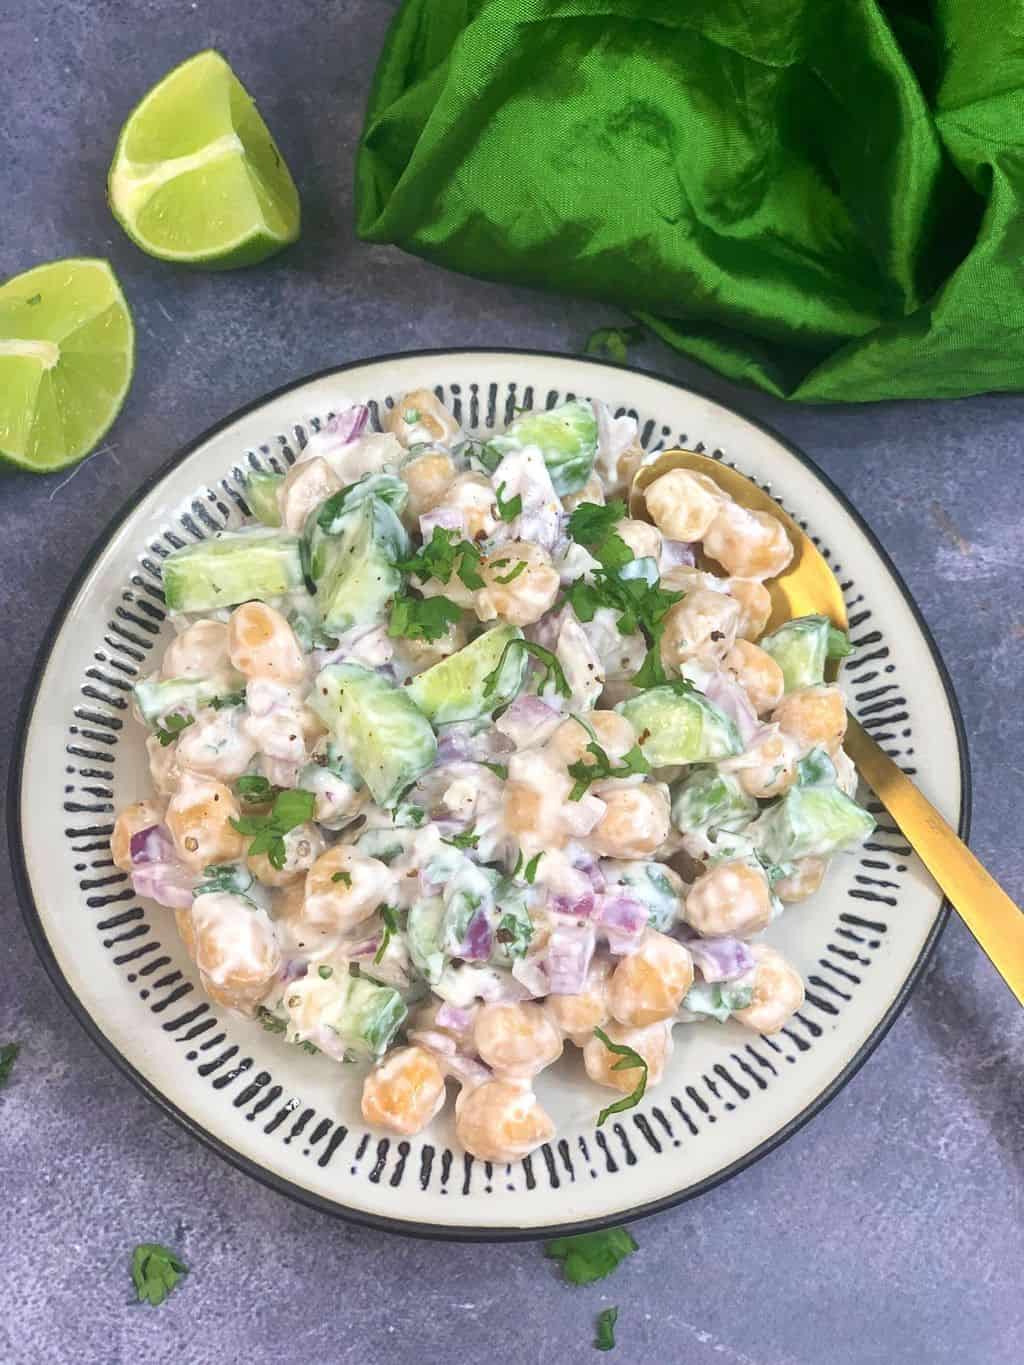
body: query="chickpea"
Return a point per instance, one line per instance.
(757, 673)
(730, 898)
(131, 820)
(199, 817)
(683, 503)
(755, 606)
(701, 627)
(635, 823)
(519, 596)
(569, 743)
(419, 415)
(263, 644)
(473, 496)
(592, 491)
(653, 1043)
(533, 813)
(775, 769)
(516, 1040)
(344, 888)
(306, 485)
(302, 846)
(748, 544)
(236, 950)
(686, 578)
(164, 768)
(813, 716)
(578, 1015)
(404, 1091)
(641, 537)
(500, 1121)
(778, 992)
(803, 881)
(200, 651)
(288, 902)
(626, 467)
(428, 478)
(420, 655)
(214, 745)
(648, 985)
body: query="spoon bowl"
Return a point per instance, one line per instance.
(808, 587)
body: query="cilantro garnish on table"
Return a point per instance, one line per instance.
(591, 1256)
(291, 808)
(156, 1271)
(8, 1053)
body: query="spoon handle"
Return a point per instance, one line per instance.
(981, 902)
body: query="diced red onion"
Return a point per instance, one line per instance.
(567, 957)
(348, 425)
(528, 721)
(452, 1017)
(581, 816)
(168, 884)
(727, 694)
(434, 1041)
(581, 907)
(463, 742)
(675, 553)
(479, 940)
(585, 862)
(469, 1070)
(546, 631)
(529, 972)
(294, 970)
(622, 921)
(152, 845)
(721, 959)
(368, 948)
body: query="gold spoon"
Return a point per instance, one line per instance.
(808, 587)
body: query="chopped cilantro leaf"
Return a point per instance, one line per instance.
(530, 871)
(511, 509)
(422, 618)
(630, 1060)
(8, 1053)
(839, 645)
(389, 915)
(553, 671)
(443, 555)
(325, 971)
(602, 766)
(255, 789)
(291, 808)
(498, 769)
(591, 1256)
(155, 1272)
(172, 728)
(512, 573)
(345, 877)
(411, 415)
(467, 840)
(228, 699)
(591, 522)
(606, 1320)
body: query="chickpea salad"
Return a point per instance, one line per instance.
(454, 762)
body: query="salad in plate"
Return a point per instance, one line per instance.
(454, 762)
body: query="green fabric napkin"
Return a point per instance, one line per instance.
(819, 197)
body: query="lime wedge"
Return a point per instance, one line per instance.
(196, 177)
(66, 355)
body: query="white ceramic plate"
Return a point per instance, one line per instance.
(293, 1120)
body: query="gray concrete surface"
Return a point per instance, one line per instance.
(888, 1230)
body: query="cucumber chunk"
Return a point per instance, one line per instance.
(378, 728)
(354, 571)
(454, 688)
(675, 723)
(566, 437)
(237, 566)
(261, 495)
(708, 799)
(810, 822)
(158, 699)
(801, 647)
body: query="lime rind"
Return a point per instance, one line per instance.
(196, 176)
(66, 360)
